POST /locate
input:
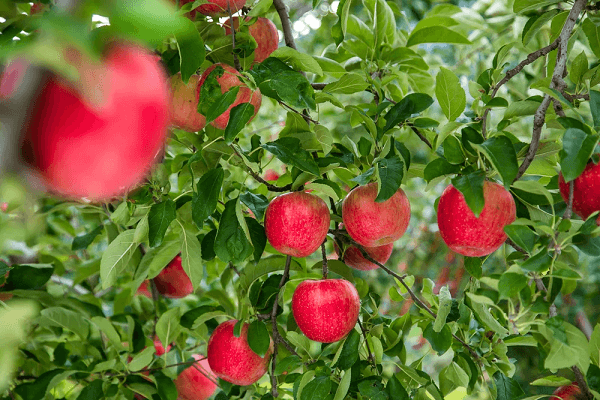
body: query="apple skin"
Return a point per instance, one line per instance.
(374, 224)
(271, 175)
(228, 80)
(184, 104)
(172, 281)
(325, 310)
(214, 8)
(354, 258)
(297, 223)
(586, 193)
(263, 31)
(100, 147)
(193, 384)
(567, 392)
(232, 359)
(471, 236)
(37, 8)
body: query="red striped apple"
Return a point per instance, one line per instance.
(99, 139)
(184, 104)
(197, 382)
(568, 392)
(373, 224)
(475, 236)
(354, 258)
(228, 80)
(232, 359)
(586, 192)
(297, 223)
(325, 310)
(263, 31)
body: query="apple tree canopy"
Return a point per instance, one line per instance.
(141, 146)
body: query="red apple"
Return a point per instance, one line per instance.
(37, 8)
(172, 281)
(271, 175)
(99, 144)
(567, 392)
(227, 80)
(215, 8)
(232, 359)
(471, 236)
(160, 349)
(263, 31)
(296, 223)
(325, 310)
(184, 104)
(144, 290)
(373, 224)
(3, 207)
(197, 382)
(586, 192)
(354, 258)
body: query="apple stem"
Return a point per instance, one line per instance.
(364, 332)
(324, 259)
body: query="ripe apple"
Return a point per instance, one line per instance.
(184, 104)
(232, 359)
(567, 392)
(3, 207)
(471, 236)
(586, 192)
(214, 8)
(271, 175)
(99, 144)
(228, 80)
(172, 281)
(373, 224)
(37, 8)
(263, 31)
(144, 289)
(197, 381)
(325, 310)
(354, 258)
(297, 223)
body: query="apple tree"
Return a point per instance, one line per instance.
(326, 200)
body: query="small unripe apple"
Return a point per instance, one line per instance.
(101, 138)
(184, 104)
(325, 310)
(263, 31)
(197, 381)
(228, 80)
(475, 236)
(373, 224)
(586, 191)
(568, 392)
(354, 258)
(297, 223)
(232, 359)
(172, 281)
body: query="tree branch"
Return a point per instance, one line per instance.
(285, 23)
(538, 122)
(420, 135)
(236, 60)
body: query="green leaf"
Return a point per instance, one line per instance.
(257, 236)
(157, 258)
(473, 266)
(165, 386)
(453, 151)
(349, 354)
(142, 359)
(289, 151)
(191, 258)
(579, 66)
(521, 108)
(565, 352)
(471, 186)
(528, 5)
(317, 389)
(342, 390)
(440, 341)
(251, 271)
(577, 150)
(258, 338)
(450, 94)
(540, 262)
(347, 84)
(28, 276)
(238, 118)
(204, 200)
(300, 61)
(191, 50)
(436, 34)
(413, 103)
(67, 319)
(444, 309)
(484, 316)
(221, 104)
(523, 236)
(257, 203)
(338, 31)
(507, 388)
(372, 389)
(83, 241)
(500, 152)
(593, 35)
(595, 107)
(390, 173)
(452, 377)
(109, 330)
(168, 327)
(395, 389)
(439, 167)
(231, 243)
(510, 284)
(534, 24)
(595, 345)
(116, 257)
(92, 391)
(159, 218)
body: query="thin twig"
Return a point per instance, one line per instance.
(420, 135)
(236, 60)
(270, 187)
(538, 123)
(364, 332)
(324, 253)
(303, 114)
